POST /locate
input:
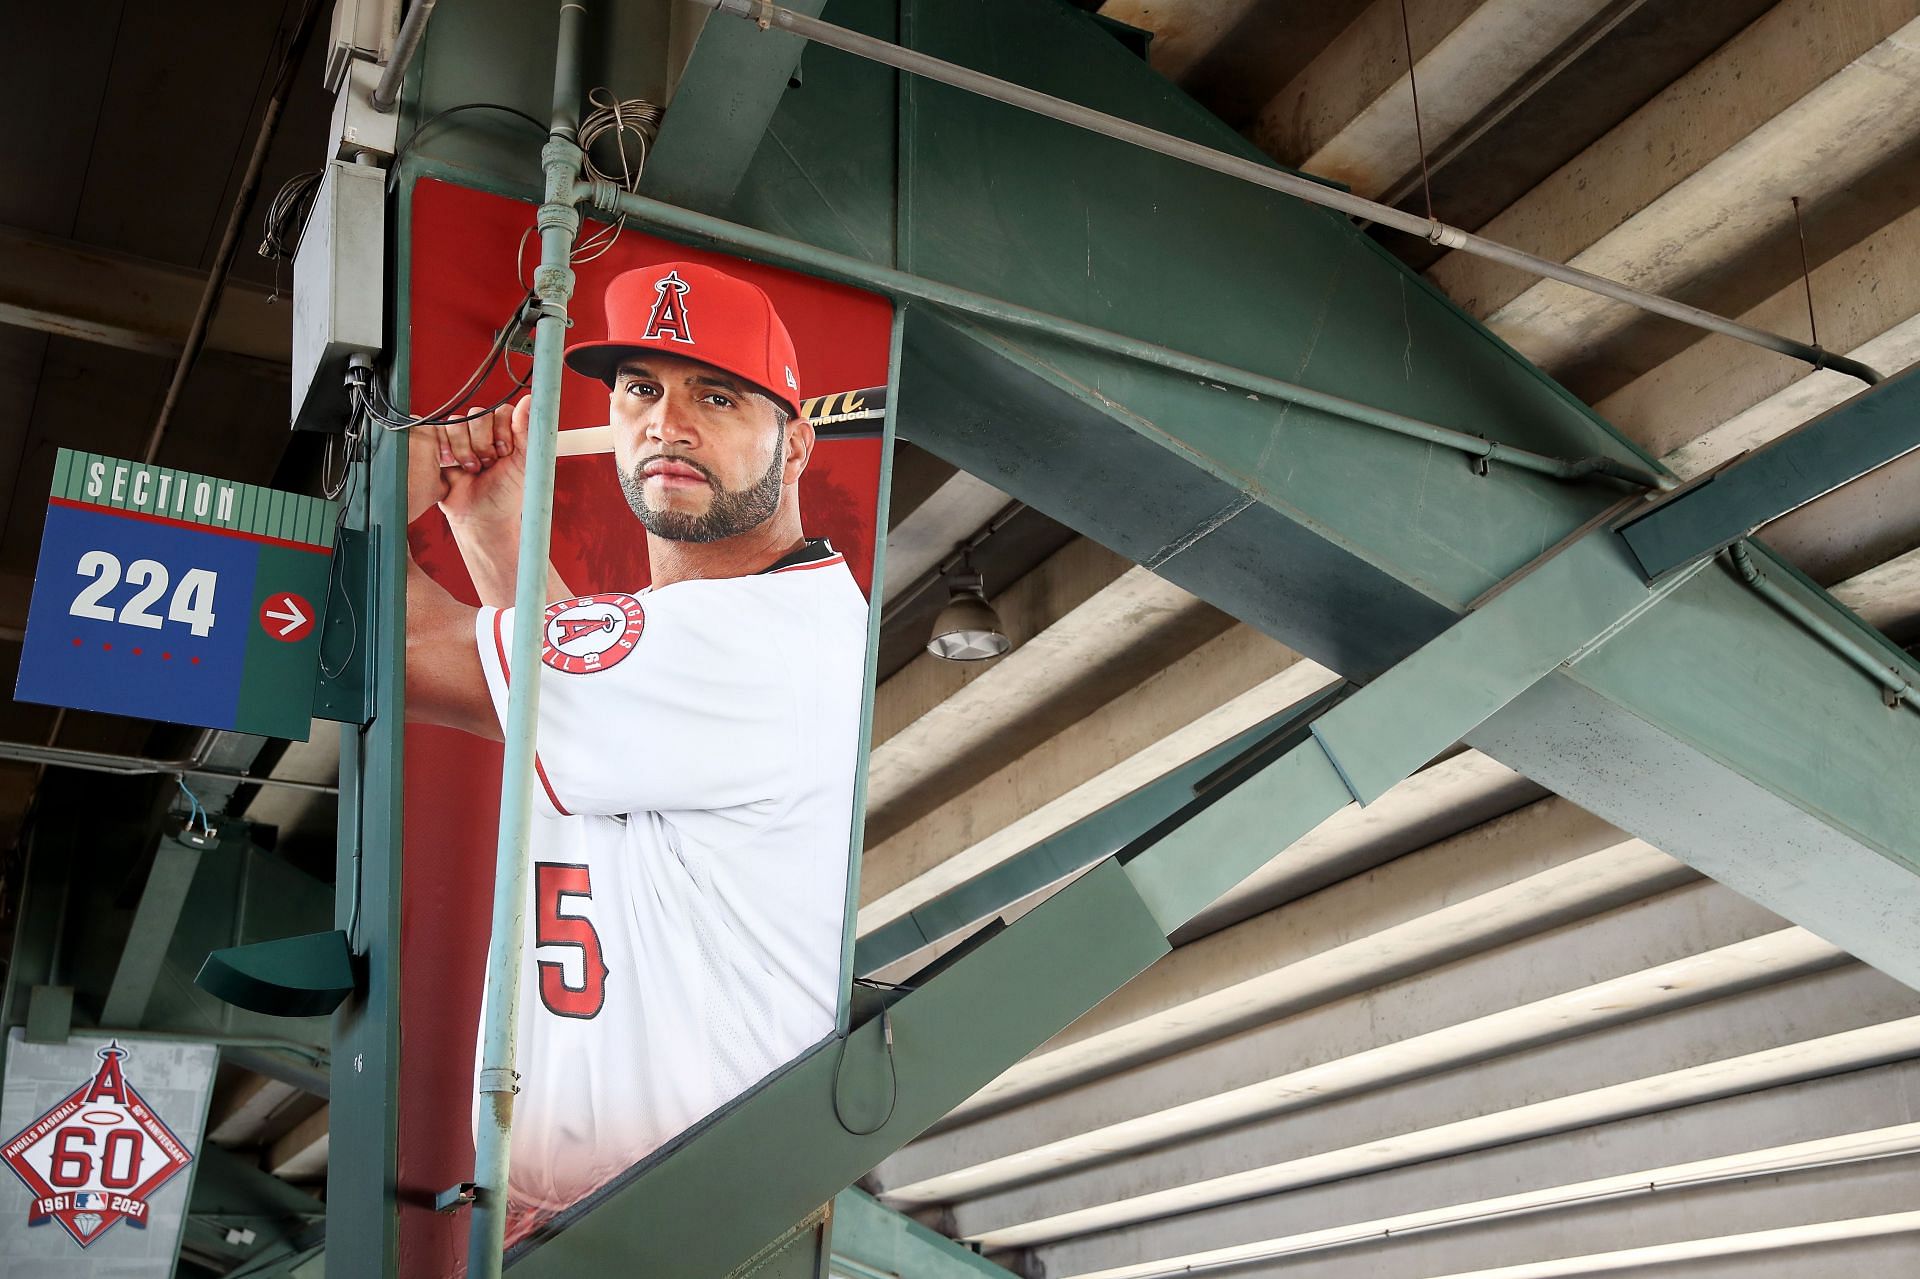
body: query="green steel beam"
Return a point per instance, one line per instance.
(363, 1085)
(1094, 837)
(872, 1241)
(780, 1151)
(176, 860)
(1571, 602)
(1842, 444)
(231, 1193)
(836, 1113)
(727, 91)
(49, 1014)
(1353, 547)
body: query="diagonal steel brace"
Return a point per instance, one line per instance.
(802, 1135)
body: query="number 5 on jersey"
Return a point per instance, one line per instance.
(554, 884)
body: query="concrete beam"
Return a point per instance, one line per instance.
(1803, 102)
(948, 516)
(1633, 1226)
(1839, 1020)
(1690, 944)
(1819, 1115)
(76, 290)
(1887, 596)
(240, 1118)
(301, 1153)
(1185, 31)
(1717, 399)
(1120, 636)
(1521, 874)
(1030, 606)
(1219, 690)
(1349, 114)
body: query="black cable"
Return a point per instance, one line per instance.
(370, 393)
(414, 137)
(886, 1037)
(893, 1079)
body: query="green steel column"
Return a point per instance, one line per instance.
(553, 285)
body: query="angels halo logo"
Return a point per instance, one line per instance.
(591, 633)
(94, 1159)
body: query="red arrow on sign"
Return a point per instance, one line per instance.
(286, 617)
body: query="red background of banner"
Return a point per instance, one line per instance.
(463, 247)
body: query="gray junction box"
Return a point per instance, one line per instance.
(337, 274)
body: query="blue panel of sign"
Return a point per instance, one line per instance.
(125, 635)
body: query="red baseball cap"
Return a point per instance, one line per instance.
(697, 313)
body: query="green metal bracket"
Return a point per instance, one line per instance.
(305, 976)
(872, 1241)
(1842, 444)
(344, 691)
(800, 1253)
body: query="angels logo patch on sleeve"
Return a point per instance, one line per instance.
(592, 633)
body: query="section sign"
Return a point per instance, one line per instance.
(168, 595)
(99, 1140)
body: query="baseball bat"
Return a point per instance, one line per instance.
(839, 416)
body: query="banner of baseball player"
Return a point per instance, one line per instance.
(99, 1138)
(701, 682)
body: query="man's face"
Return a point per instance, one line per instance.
(702, 454)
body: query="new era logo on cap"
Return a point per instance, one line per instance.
(699, 313)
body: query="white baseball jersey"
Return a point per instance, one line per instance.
(694, 800)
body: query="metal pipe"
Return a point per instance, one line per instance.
(1899, 691)
(772, 248)
(236, 218)
(558, 221)
(765, 14)
(386, 94)
(265, 1042)
(138, 766)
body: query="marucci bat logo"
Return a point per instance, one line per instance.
(840, 415)
(591, 633)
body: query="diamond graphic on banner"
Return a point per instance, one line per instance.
(93, 1160)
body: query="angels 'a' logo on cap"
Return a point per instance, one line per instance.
(591, 634)
(668, 319)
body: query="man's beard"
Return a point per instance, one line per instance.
(731, 513)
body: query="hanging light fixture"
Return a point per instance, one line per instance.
(967, 630)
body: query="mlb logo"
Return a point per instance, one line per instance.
(89, 1199)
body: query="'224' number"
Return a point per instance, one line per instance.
(191, 604)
